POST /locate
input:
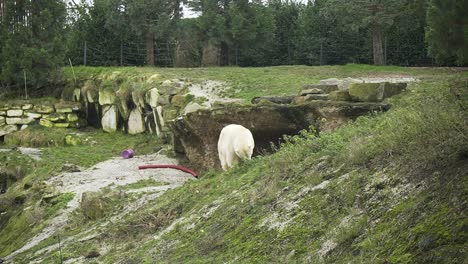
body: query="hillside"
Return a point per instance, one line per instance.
(388, 188)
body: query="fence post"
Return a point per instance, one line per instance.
(121, 52)
(84, 53)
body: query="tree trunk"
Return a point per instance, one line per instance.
(149, 48)
(377, 45)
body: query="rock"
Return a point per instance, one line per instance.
(33, 115)
(310, 97)
(179, 100)
(72, 117)
(14, 113)
(23, 127)
(19, 120)
(367, 92)
(2, 120)
(339, 96)
(159, 110)
(73, 140)
(5, 130)
(274, 99)
(44, 109)
(391, 89)
(2, 113)
(110, 118)
(77, 94)
(92, 205)
(312, 91)
(27, 106)
(170, 87)
(46, 123)
(54, 117)
(190, 108)
(61, 125)
(67, 107)
(70, 167)
(342, 84)
(163, 100)
(136, 124)
(138, 98)
(199, 131)
(92, 96)
(107, 96)
(170, 114)
(152, 97)
(326, 88)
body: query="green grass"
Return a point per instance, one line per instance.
(393, 184)
(97, 146)
(247, 83)
(142, 184)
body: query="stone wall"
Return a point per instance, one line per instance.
(19, 115)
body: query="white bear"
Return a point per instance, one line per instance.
(235, 144)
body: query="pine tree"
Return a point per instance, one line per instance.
(32, 35)
(446, 32)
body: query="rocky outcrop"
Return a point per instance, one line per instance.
(198, 131)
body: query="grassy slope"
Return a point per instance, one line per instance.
(97, 146)
(394, 186)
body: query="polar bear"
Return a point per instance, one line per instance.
(235, 144)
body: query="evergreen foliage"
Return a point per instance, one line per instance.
(31, 41)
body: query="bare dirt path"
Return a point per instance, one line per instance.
(111, 173)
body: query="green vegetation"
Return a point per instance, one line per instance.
(245, 83)
(387, 188)
(29, 188)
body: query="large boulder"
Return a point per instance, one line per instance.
(14, 112)
(110, 118)
(107, 96)
(152, 97)
(198, 131)
(136, 123)
(44, 109)
(392, 89)
(5, 130)
(93, 205)
(367, 92)
(341, 95)
(19, 120)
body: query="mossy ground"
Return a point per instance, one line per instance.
(388, 188)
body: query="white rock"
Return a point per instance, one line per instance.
(33, 115)
(159, 109)
(109, 119)
(192, 107)
(27, 106)
(23, 127)
(8, 129)
(15, 112)
(136, 125)
(152, 97)
(19, 120)
(2, 120)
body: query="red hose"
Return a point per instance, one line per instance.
(177, 167)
